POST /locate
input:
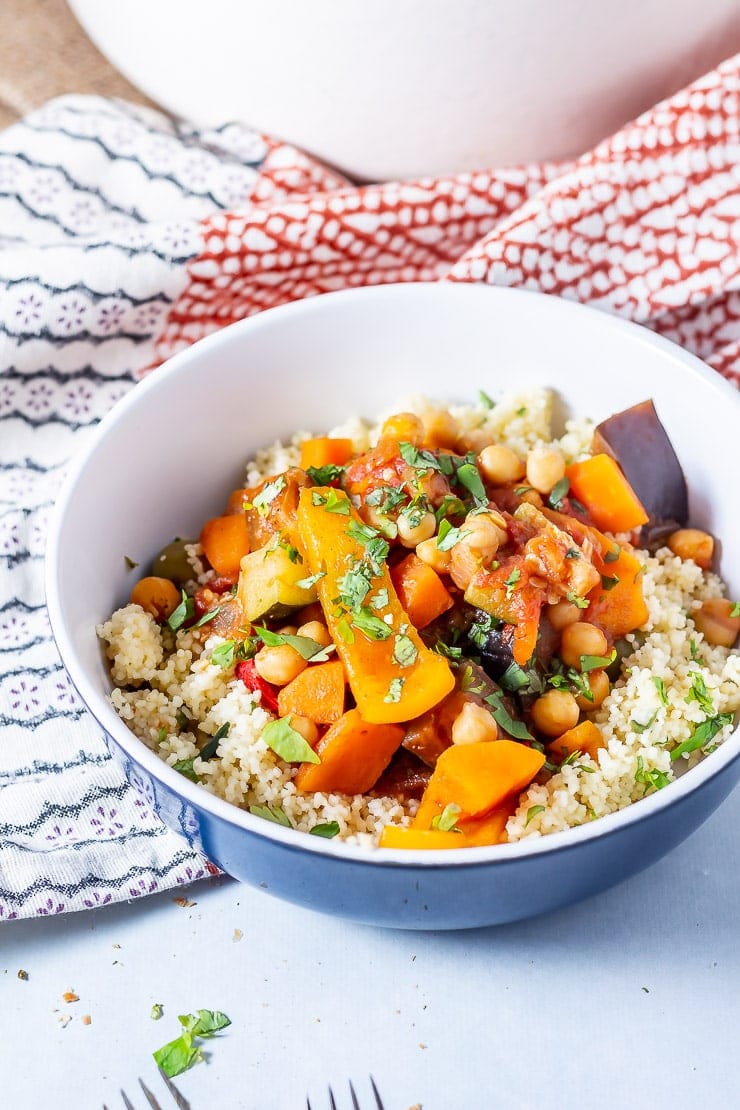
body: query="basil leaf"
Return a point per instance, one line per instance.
(594, 662)
(209, 750)
(286, 742)
(223, 654)
(275, 814)
(328, 830)
(177, 1056)
(304, 645)
(502, 717)
(182, 613)
(210, 1022)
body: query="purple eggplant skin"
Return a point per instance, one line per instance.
(640, 444)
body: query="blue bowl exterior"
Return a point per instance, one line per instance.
(410, 896)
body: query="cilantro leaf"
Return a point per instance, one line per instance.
(512, 580)
(184, 612)
(332, 502)
(395, 689)
(502, 717)
(405, 652)
(185, 767)
(177, 1056)
(288, 743)
(702, 735)
(558, 493)
(304, 645)
(660, 687)
(532, 813)
(325, 475)
(420, 460)
(613, 555)
(209, 1022)
(468, 476)
(207, 617)
(735, 609)
(446, 821)
(209, 750)
(223, 654)
(700, 694)
(594, 662)
(267, 495)
(447, 536)
(380, 599)
(577, 600)
(311, 580)
(371, 626)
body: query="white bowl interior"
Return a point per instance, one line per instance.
(168, 455)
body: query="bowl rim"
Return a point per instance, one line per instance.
(192, 793)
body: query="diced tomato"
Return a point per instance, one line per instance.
(247, 672)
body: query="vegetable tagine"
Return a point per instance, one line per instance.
(438, 620)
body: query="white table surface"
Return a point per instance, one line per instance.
(631, 999)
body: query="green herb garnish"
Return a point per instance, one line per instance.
(304, 645)
(558, 493)
(288, 743)
(702, 735)
(130, 563)
(446, 821)
(267, 495)
(609, 582)
(180, 1054)
(395, 689)
(655, 778)
(380, 599)
(365, 621)
(502, 717)
(532, 813)
(577, 600)
(207, 617)
(484, 400)
(660, 687)
(223, 654)
(185, 767)
(311, 580)
(594, 662)
(469, 477)
(613, 555)
(209, 750)
(184, 612)
(420, 460)
(332, 502)
(512, 580)
(405, 652)
(325, 475)
(735, 609)
(700, 694)
(447, 536)
(156, 1011)
(276, 814)
(638, 727)
(328, 829)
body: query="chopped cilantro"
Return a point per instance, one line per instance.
(577, 600)
(446, 821)
(375, 546)
(636, 726)
(328, 829)
(386, 498)
(223, 654)
(365, 621)
(449, 651)
(345, 631)
(695, 652)
(558, 493)
(288, 743)
(702, 735)
(267, 495)
(354, 586)
(514, 678)
(420, 460)
(700, 694)
(482, 626)
(276, 814)
(651, 777)
(311, 580)
(405, 652)
(184, 612)
(660, 687)
(380, 599)
(609, 582)
(521, 490)
(468, 476)
(447, 536)
(484, 400)
(512, 580)
(502, 717)
(130, 563)
(451, 506)
(332, 503)
(325, 475)
(156, 1011)
(522, 411)
(469, 684)
(613, 555)
(735, 609)
(395, 689)
(292, 552)
(572, 553)
(532, 813)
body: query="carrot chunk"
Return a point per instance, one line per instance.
(353, 753)
(420, 590)
(585, 738)
(324, 450)
(599, 484)
(224, 540)
(317, 692)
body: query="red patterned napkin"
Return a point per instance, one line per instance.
(124, 237)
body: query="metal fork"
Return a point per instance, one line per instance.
(180, 1101)
(355, 1104)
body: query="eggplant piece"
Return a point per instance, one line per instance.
(405, 777)
(637, 440)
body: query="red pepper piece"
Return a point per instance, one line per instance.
(247, 672)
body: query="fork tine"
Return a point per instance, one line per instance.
(180, 1101)
(127, 1102)
(378, 1099)
(332, 1103)
(149, 1096)
(355, 1103)
(308, 1103)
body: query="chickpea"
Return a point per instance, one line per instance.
(713, 620)
(563, 613)
(481, 539)
(581, 638)
(430, 554)
(312, 612)
(555, 712)
(279, 665)
(288, 630)
(691, 543)
(500, 464)
(307, 728)
(405, 427)
(440, 428)
(410, 534)
(473, 725)
(315, 630)
(475, 440)
(545, 468)
(599, 685)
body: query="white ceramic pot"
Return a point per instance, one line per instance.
(400, 88)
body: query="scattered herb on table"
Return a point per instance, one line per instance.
(177, 1056)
